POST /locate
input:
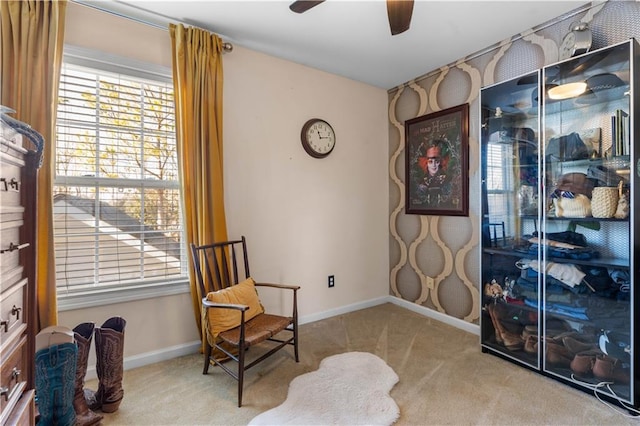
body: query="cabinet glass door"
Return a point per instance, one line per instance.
(586, 249)
(510, 218)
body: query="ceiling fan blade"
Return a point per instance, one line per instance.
(301, 6)
(399, 12)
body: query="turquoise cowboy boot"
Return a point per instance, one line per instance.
(55, 384)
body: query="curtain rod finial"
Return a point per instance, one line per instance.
(227, 47)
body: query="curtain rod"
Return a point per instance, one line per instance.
(226, 46)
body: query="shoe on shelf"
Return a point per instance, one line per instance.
(557, 355)
(610, 369)
(558, 335)
(531, 344)
(582, 364)
(529, 330)
(496, 330)
(576, 346)
(511, 341)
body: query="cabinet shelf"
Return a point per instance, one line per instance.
(600, 261)
(587, 219)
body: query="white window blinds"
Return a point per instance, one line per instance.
(117, 217)
(500, 171)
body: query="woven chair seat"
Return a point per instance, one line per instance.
(256, 330)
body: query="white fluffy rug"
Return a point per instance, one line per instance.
(347, 389)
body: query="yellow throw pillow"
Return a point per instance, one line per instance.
(243, 293)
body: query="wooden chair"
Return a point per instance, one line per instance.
(229, 300)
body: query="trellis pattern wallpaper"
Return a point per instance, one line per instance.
(434, 260)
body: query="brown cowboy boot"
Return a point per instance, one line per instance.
(511, 341)
(83, 335)
(496, 330)
(109, 366)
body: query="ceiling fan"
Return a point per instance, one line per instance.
(399, 12)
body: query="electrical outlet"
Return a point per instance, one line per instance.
(331, 281)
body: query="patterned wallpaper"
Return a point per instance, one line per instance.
(434, 260)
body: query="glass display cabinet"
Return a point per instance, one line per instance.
(558, 178)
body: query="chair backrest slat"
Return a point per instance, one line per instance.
(234, 265)
(217, 265)
(246, 258)
(222, 278)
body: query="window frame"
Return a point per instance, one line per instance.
(115, 293)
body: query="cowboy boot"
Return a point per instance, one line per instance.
(54, 375)
(496, 330)
(510, 340)
(109, 366)
(83, 335)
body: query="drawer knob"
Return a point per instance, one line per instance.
(15, 374)
(13, 184)
(16, 311)
(13, 247)
(5, 324)
(15, 377)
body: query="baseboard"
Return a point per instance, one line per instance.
(171, 352)
(152, 357)
(455, 322)
(342, 310)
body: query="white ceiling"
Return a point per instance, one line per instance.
(352, 38)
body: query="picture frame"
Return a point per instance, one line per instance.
(437, 163)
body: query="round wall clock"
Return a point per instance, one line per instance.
(576, 42)
(318, 138)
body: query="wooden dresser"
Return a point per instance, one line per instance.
(18, 174)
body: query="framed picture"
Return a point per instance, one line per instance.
(437, 163)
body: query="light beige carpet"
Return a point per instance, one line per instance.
(445, 379)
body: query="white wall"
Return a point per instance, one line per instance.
(304, 218)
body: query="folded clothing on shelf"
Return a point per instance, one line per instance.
(575, 312)
(604, 176)
(565, 245)
(567, 147)
(583, 253)
(571, 238)
(566, 273)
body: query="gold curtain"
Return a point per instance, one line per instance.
(32, 41)
(197, 82)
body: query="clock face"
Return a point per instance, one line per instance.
(318, 138)
(568, 46)
(576, 42)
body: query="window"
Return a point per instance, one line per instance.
(117, 216)
(500, 184)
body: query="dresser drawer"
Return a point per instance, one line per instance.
(9, 277)
(10, 245)
(24, 414)
(11, 213)
(12, 379)
(12, 315)
(10, 181)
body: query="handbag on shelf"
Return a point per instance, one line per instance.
(604, 201)
(622, 209)
(578, 206)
